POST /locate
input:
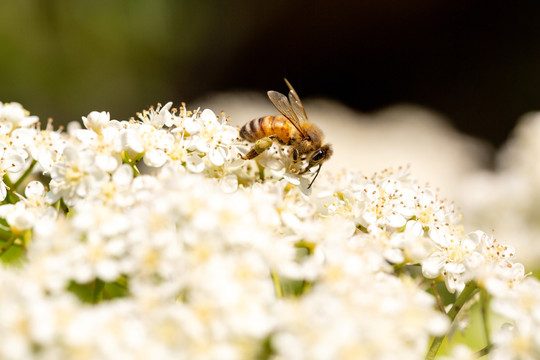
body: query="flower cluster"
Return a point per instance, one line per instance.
(507, 198)
(154, 238)
(518, 339)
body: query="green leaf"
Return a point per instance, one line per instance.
(98, 290)
(13, 255)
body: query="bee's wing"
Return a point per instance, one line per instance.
(281, 103)
(296, 104)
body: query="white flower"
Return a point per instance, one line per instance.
(452, 258)
(5, 131)
(117, 189)
(505, 199)
(23, 215)
(17, 217)
(183, 152)
(158, 117)
(209, 256)
(187, 122)
(415, 247)
(76, 176)
(393, 317)
(44, 146)
(431, 215)
(98, 251)
(28, 317)
(147, 141)
(460, 352)
(11, 161)
(96, 121)
(521, 305)
(106, 143)
(15, 114)
(215, 138)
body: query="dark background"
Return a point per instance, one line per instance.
(477, 62)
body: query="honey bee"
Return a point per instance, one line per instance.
(292, 128)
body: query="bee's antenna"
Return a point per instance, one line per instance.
(316, 174)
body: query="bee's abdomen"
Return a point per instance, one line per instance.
(267, 126)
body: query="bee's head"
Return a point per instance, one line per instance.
(317, 158)
(320, 155)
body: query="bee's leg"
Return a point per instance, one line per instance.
(250, 155)
(295, 154)
(260, 146)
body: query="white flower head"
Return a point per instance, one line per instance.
(15, 114)
(207, 255)
(215, 138)
(11, 161)
(105, 140)
(76, 176)
(183, 152)
(96, 121)
(454, 258)
(521, 305)
(24, 214)
(187, 122)
(157, 117)
(144, 140)
(352, 325)
(44, 146)
(118, 188)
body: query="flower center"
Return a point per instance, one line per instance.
(73, 174)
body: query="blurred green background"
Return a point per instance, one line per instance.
(477, 61)
(65, 58)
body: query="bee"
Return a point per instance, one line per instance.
(292, 128)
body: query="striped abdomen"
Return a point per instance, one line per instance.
(276, 126)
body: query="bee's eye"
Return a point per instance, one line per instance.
(318, 156)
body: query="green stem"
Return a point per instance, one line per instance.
(5, 234)
(97, 295)
(9, 243)
(440, 304)
(24, 175)
(484, 301)
(277, 284)
(306, 286)
(482, 352)
(7, 181)
(261, 171)
(397, 267)
(61, 206)
(465, 295)
(11, 197)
